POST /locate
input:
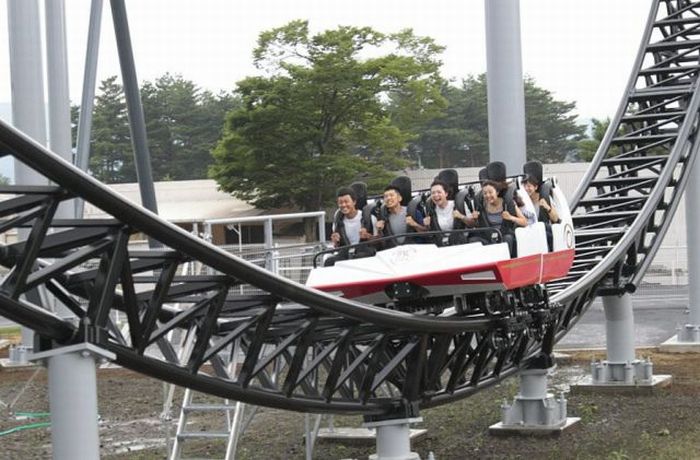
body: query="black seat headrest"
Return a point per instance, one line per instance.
(403, 183)
(451, 178)
(483, 175)
(533, 169)
(496, 171)
(360, 189)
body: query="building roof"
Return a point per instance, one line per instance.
(184, 201)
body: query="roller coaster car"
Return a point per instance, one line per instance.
(414, 272)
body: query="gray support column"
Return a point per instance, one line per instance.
(690, 332)
(28, 110)
(619, 328)
(60, 140)
(137, 123)
(87, 100)
(26, 74)
(534, 410)
(504, 75)
(622, 369)
(393, 439)
(267, 228)
(73, 400)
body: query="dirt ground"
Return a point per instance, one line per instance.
(658, 426)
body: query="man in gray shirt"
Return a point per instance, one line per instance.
(396, 222)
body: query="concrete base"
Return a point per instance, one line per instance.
(561, 358)
(672, 345)
(499, 429)
(9, 365)
(586, 386)
(360, 434)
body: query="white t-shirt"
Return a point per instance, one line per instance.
(445, 219)
(352, 228)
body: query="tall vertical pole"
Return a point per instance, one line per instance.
(619, 328)
(28, 110)
(690, 332)
(504, 77)
(26, 74)
(87, 100)
(59, 100)
(137, 123)
(73, 399)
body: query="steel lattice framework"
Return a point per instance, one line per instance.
(309, 351)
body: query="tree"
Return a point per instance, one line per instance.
(552, 132)
(183, 124)
(111, 157)
(589, 146)
(459, 137)
(320, 119)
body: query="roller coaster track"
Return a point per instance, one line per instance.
(337, 355)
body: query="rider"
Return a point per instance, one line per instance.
(496, 208)
(347, 223)
(442, 215)
(544, 210)
(393, 219)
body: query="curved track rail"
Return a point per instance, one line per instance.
(308, 351)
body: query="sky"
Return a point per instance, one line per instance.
(580, 51)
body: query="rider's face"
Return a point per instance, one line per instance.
(346, 204)
(529, 188)
(438, 195)
(490, 194)
(391, 198)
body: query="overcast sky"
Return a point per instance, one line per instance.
(581, 51)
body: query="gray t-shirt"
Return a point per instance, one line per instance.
(398, 223)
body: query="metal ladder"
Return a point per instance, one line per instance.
(235, 412)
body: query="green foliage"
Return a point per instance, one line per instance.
(587, 147)
(552, 132)
(183, 124)
(459, 137)
(111, 157)
(321, 118)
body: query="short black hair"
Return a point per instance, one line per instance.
(530, 179)
(342, 191)
(392, 187)
(442, 184)
(500, 187)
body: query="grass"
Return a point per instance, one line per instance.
(10, 332)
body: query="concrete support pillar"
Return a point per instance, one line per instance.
(73, 400)
(393, 439)
(621, 369)
(504, 75)
(622, 366)
(690, 331)
(619, 328)
(28, 108)
(57, 77)
(687, 339)
(534, 410)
